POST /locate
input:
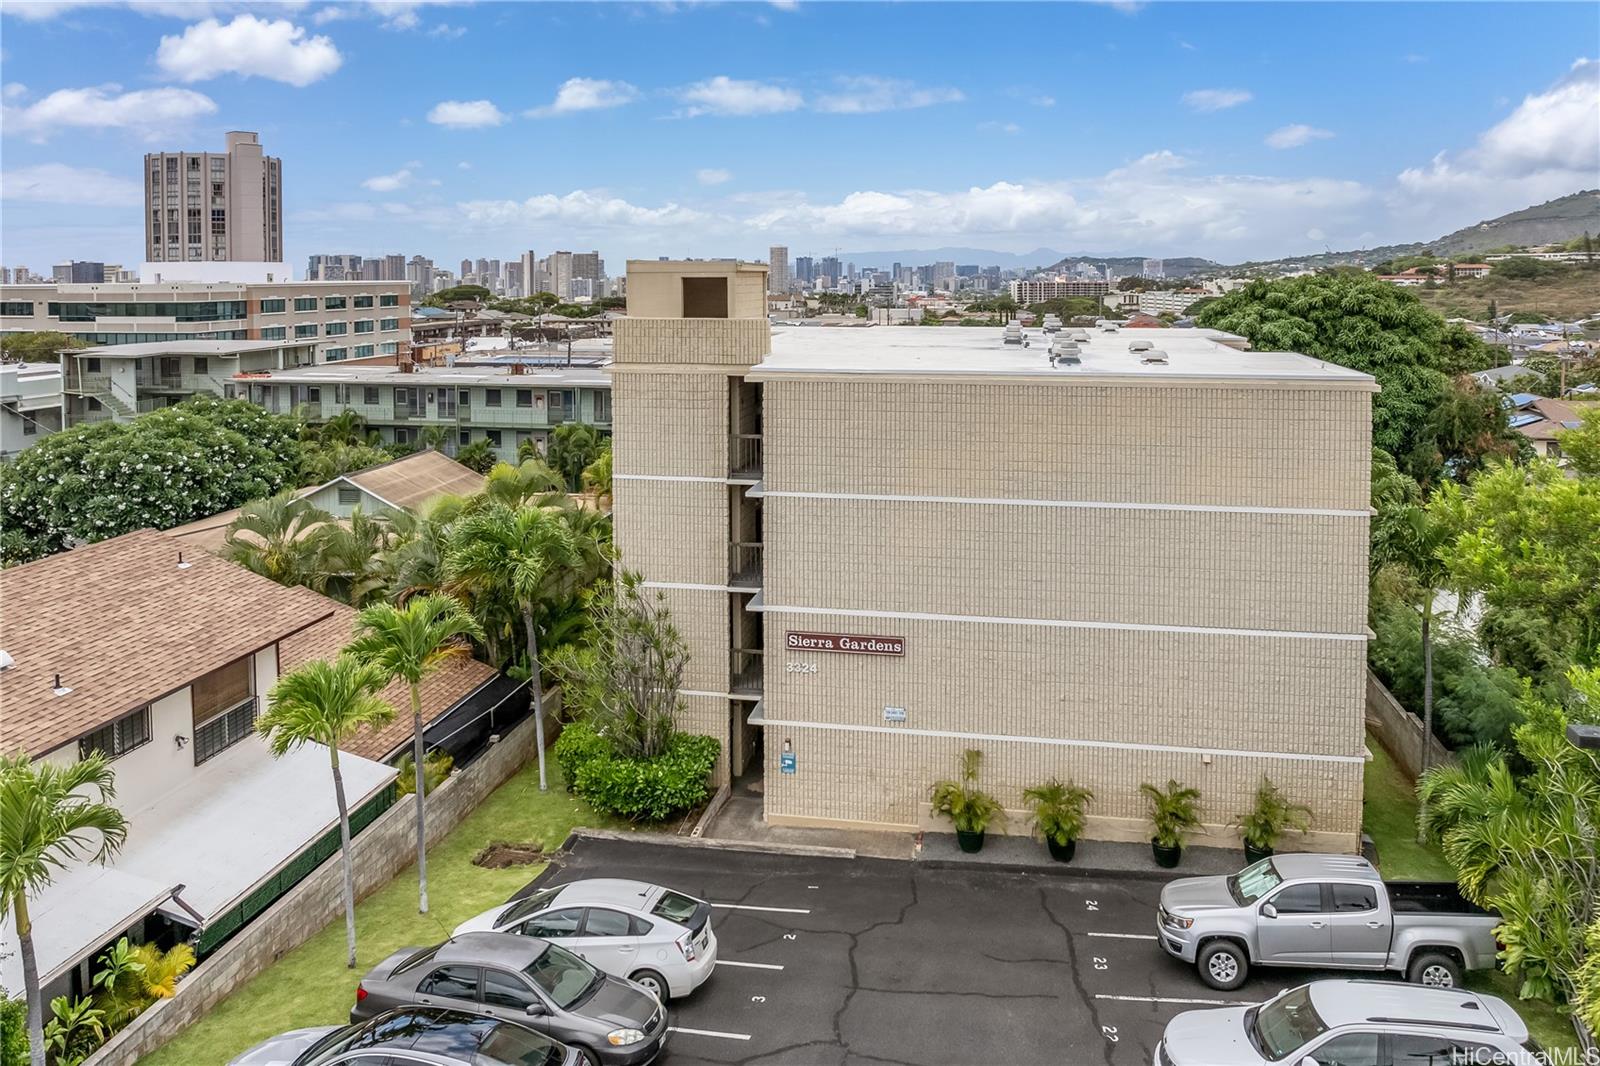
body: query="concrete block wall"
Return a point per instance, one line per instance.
(379, 853)
(1400, 731)
(713, 341)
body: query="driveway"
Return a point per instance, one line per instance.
(833, 961)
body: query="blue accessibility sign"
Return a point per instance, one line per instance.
(786, 762)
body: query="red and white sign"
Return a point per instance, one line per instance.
(849, 643)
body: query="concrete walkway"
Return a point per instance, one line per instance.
(1093, 858)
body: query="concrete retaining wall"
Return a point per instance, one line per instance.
(1400, 731)
(380, 852)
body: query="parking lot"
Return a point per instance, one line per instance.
(831, 960)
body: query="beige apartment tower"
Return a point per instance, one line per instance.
(214, 207)
(1114, 556)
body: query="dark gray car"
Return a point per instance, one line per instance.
(419, 1036)
(526, 980)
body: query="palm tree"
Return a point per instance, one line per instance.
(48, 815)
(516, 485)
(410, 643)
(597, 476)
(346, 427)
(280, 537)
(351, 563)
(518, 552)
(323, 702)
(1425, 535)
(573, 447)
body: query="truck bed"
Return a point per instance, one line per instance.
(1429, 897)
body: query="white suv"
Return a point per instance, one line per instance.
(654, 936)
(1354, 1023)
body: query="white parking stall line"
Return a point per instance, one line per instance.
(770, 910)
(1126, 936)
(750, 965)
(708, 1032)
(1181, 1002)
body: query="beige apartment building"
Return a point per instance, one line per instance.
(214, 206)
(338, 319)
(1109, 556)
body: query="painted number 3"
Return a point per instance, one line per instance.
(1099, 963)
(758, 999)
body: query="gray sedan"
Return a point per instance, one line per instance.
(523, 979)
(421, 1036)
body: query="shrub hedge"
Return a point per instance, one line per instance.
(639, 790)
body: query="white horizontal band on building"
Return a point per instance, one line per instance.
(1061, 742)
(1065, 623)
(995, 501)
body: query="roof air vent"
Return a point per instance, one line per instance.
(1012, 334)
(1051, 323)
(1064, 352)
(1080, 336)
(1140, 346)
(1153, 356)
(1108, 327)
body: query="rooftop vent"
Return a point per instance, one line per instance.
(60, 689)
(1051, 323)
(1153, 356)
(1080, 336)
(1108, 327)
(1012, 334)
(1064, 352)
(1140, 346)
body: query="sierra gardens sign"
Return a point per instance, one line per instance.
(846, 643)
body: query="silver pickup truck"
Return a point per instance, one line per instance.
(1327, 912)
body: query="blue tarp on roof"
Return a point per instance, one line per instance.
(1522, 399)
(1527, 418)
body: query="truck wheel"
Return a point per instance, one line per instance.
(1434, 969)
(1223, 964)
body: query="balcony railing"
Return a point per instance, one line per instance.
(744, 455)
(744, 676)
(744, 564)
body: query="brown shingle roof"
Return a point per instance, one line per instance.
(123, 625)
(413, 480)
(441, 690)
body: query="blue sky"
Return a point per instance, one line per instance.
(452, 129)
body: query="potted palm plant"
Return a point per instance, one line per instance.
(1269, 819)
(1058, 815)
(1174, 812)
(969, 808)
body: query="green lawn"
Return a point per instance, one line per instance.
(1389, 814)
(311, 986)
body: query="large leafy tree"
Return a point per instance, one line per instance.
(50, 815)
(517, 555)
(324, 702)
(1521, 831)
(1355, 320)
(171, 466)
(38, 346)
(409, 643)
(1581, 444)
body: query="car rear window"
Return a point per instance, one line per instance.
(524, 907)
(511, 1045)
(414, 960)
(674, 907)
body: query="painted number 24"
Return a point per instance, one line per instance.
(800, 668)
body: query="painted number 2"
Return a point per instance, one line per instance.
(1091, 904)
(1110, 1032)
(1099, 963)
(789, 936)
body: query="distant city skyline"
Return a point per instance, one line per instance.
(1162, 130)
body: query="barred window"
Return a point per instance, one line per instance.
(116, 739)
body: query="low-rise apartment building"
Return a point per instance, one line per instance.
(118, 382)
(30, 405)
(1157, 570)
(506, 405)
(340, 320)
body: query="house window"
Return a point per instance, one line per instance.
(349, 497)
(200, 365)
(91, 365)
(363, 351)
(272, 307)
(389, 299)
(494, 437)
(225, 707)
(389, 348)
(333, 303)
(341, 395)
(16, 307)
(369, 395)
(336, 329)
(361, 301)
(524, 397)
(464, 437)
(116, 739)
(491, 397)
(602, 405)
(306, 330)
(334, 355)
(387, 324)
(305, 303)
(274, 333)
(364, 325)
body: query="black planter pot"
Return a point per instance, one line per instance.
(1254, 854)
(969, 842)
(1061, 852)
(1166, 858)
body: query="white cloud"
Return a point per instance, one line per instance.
(448, 32)
(586, 94)
(993, 126)
(1042, 101)
(463, 165)
(864, 94)
(147, 111)
(1293, 136)
(250, 47)
(1216, 99)
(723, 95)
(14, 90)
(577, 208)
(1547, 147)
(57, 183)
(390, 182)
(466, 114)
(713, 176)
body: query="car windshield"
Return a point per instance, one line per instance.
(512, 1045)
(1285, 1025)
(674, 907)
(329, 1045)
(524, 907)
(563, 976)
(1253, 882)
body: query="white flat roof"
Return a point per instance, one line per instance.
(979, 352)
(219, 834)
(195, 347)
(531, 377)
